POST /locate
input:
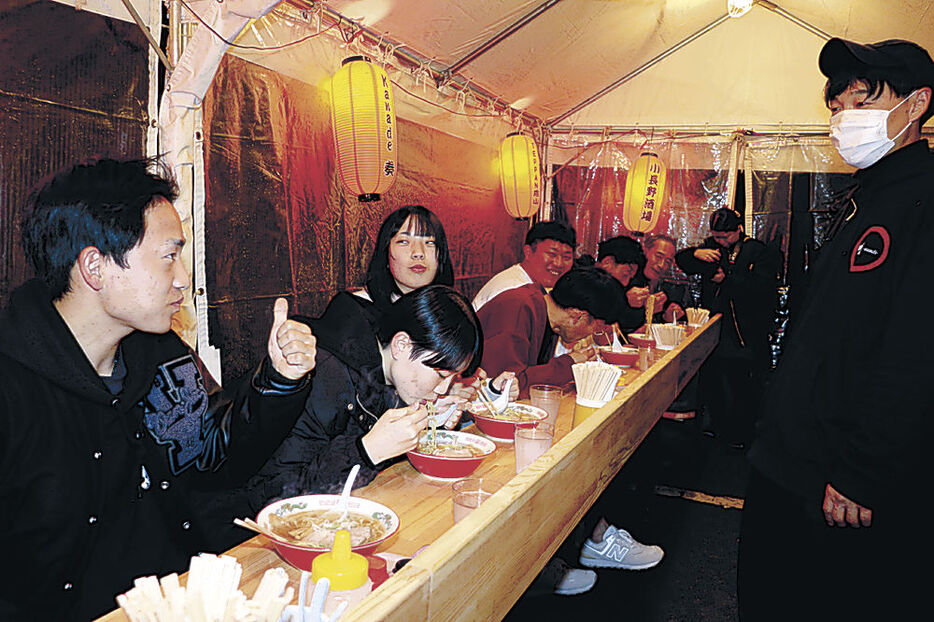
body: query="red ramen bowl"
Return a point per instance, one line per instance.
(452, 466)
(625, 358)
(376, 515)
(503, 429)
(641, 341)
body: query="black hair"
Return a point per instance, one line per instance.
(584, 260)
(725, 219)
(379, 280)
(440, 321)
(551, 230)
(623, 249)
(652, 240)
(592, 290)
(100, 204)
(901, 83)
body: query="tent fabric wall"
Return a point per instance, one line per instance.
(279, 224)
(67, 94)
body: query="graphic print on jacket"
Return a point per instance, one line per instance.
(174, 411)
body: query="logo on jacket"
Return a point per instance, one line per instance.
(870, 250)
(173, 411)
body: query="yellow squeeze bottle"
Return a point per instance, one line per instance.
(347, 571)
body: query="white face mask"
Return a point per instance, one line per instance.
(862, 136)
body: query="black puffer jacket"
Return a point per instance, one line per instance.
(96, 489)
(348, 395)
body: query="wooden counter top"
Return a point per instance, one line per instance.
(478, 568)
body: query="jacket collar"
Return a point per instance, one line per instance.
(348, 329)
(33, 333)
(901, 164)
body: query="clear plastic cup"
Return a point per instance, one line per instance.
(532, 443)
(583, 408)
(548, 398)
(467, 495)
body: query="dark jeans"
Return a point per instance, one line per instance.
(792, 566)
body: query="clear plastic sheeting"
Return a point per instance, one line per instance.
(591, 185)
(785, 186)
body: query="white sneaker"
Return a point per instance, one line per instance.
(557, 577)
(576, 581)
(620, 550)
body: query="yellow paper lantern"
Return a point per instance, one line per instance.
(645, 193)
(363, 121)
(520, 175)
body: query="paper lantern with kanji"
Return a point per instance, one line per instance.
(363, 121)
(645, 193)
(520, 175)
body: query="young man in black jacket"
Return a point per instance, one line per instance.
(833, 524)
(738, 278)
(109, 422)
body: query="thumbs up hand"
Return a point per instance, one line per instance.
(291, 344)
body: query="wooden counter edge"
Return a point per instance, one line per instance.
(482, 565)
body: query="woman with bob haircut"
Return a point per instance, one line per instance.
(370, 385)
(411, 252)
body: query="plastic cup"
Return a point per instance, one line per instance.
(532, 443)
(548, 398)
(583, 408)
(467, 495)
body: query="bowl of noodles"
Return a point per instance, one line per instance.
(641, 340)
(502, 426)
(305, 526)
(445, 454)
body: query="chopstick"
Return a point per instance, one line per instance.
(486, 402)
(621, 335)
(252, 525)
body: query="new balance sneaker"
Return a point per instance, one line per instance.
(620, 550)
(559, 578)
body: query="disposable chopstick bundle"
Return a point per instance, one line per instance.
(211, 595)
(595, 380)
(697, 316)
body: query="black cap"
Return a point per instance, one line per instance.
(725, 219)
(902, 58)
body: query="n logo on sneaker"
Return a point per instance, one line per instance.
(617, 551)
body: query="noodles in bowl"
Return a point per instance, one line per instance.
(316, 528)
(447, 454)
(502, 426)
(305, 526)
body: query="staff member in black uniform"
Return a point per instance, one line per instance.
(833, 526)
(738, 274)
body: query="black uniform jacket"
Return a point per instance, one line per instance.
(745, 297)
(631, 318)
(349, 393)
(96, 489)
(851, 403)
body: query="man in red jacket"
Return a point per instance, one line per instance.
(520, 326)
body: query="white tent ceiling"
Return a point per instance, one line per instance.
(756, 71)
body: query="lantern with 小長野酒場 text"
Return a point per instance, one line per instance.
(363, 122)
(645, 194)
(520, 175)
